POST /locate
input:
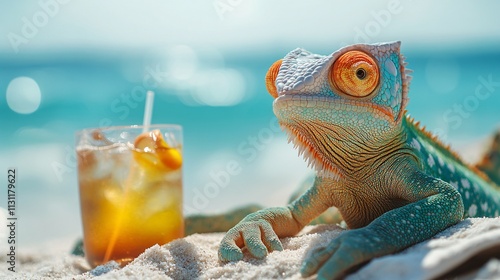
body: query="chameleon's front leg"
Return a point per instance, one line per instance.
(259, 232)
(437, 206)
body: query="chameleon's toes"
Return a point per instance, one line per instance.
(270, 239)
(336, 266)
(230, 254)
(314, 261)
(256, 248)
(275, 245)
(252, 238)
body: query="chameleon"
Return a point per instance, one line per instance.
(393, 183)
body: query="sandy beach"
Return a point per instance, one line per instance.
(468, 250)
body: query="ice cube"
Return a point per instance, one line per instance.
(161, 197)
(95, 163)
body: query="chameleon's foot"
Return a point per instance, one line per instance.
(348, 250)
(257, 236)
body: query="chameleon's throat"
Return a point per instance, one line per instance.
(337, 153)
(314, 159)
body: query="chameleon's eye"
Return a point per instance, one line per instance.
(355, 73)
(271, 75)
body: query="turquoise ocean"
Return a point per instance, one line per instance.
(220, 100)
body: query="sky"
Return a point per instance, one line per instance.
(50, 25)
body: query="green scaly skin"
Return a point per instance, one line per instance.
(393, 183)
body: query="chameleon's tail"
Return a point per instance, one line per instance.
(490, 163)
(217, 223)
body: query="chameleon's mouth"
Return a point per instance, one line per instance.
(293, 101)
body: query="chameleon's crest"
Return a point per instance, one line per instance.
(406, 84)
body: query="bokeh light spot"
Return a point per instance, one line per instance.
(221, 87)
(182, 62)
(23, 95)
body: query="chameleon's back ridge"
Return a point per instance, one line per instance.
(480, 194)
(490, 163)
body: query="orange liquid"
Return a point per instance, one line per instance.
(128, 207)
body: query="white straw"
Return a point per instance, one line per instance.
(148, 110)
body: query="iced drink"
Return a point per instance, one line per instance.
(130, 190)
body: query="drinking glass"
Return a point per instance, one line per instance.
(130, 183)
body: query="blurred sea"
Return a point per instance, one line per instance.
(222, 104)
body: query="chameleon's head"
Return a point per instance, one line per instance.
(357, 93)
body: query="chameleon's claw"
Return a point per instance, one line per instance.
(275, 244)
(228, 250)
(338, 263)
(316, 259)
(331, 269)
(230, 253)
(343, 253)
(270, 239)
(253, 242)
(257, 236)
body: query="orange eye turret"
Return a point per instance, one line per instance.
(355, 73)
(271, 75)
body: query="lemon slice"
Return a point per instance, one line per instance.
(153, 151)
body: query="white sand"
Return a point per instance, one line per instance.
(195, 257)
